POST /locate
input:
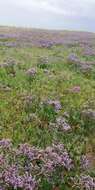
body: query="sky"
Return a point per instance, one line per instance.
(49, 14)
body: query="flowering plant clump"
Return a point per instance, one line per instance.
(43, 62)
(83, 182)
(31, 72)
(55, 104)
(46, 43)
(61, 124)
(6, 144)
(9, 66)
(24, 167)
(49, 110)
(84, 66)
(87, 182)
(88, 51)
(72, 58)
(75, 89)
(85, 162)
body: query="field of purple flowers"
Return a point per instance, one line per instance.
(47, 110)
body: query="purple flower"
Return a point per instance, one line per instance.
(48, 168)
(85, 163)
(5, 143)
(1, 188)
(43, 62)
(88, 52)
(22, 167)
(66, 161)
(57, 156)
(75, 89)
(31, 72)
(87, 182)
(62, 124)
(56, 104)
(72, 58)
(29, 183)
(85, 67)
(2, 160)
(26, 150)
(13, 179)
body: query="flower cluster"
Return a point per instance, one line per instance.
(12, 179)
(5, 143)
(85, 162)
(75, 89)
(24, 167)
(83, 182)
(31, 72)
(72, 58)
(61, 124)
(84, 67)
(9, 66)
(88, 51)
(87, 182)
(45, 39)
(56, 104)
(43, 62)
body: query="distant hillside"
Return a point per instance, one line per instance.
(12, 36)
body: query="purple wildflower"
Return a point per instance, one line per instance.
(72, 58)
(5, 143)
(29, 183)
(31, 72)
(87, 182)
(2, 160)
(1, 188)
(75, 89)
(85, 162)
(20, 167)
(26, 150)
(13, 179)
(62, 124)
(56, 104)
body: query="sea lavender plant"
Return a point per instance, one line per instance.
(43, 62)
(72, 58)
(5, 143)
(75, 89)
(62, 124)
(56, 104)
(85, 162)
(13, 180)
(31, 72)
(87, 182)
(24, 167)
(9, 66)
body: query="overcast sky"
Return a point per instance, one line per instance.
(51, 14)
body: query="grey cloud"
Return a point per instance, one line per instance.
(59, 14)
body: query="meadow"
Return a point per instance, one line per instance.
(47, 109)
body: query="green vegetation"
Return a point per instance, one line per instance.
(24, 114)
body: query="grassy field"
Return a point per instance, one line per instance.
(58, 88)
